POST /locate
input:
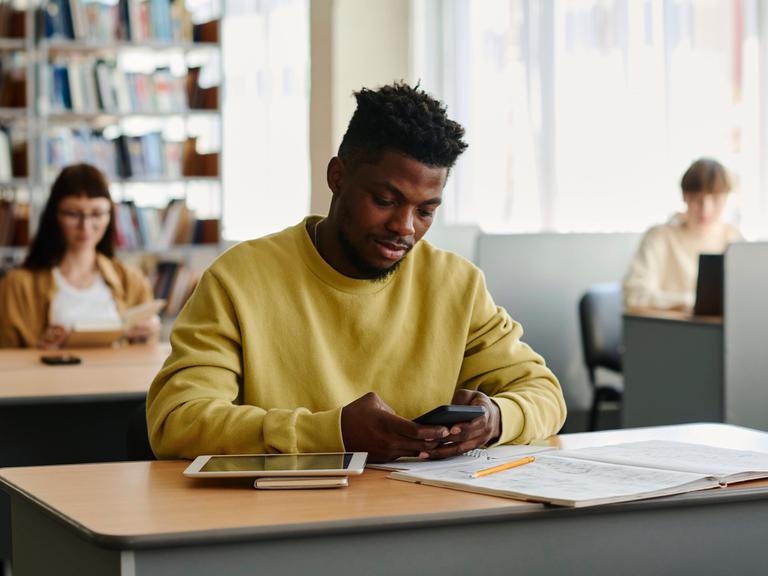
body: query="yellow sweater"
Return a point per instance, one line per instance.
(274, 342)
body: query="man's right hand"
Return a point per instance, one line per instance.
(369, 425)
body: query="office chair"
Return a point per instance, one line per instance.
(137, 438)
(600, 311)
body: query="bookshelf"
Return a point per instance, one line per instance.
(126, 86)
(131, 86)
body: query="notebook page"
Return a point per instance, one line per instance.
(551, 478)
(681, 456)
(483, 455)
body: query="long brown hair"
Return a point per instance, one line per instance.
(48, 246)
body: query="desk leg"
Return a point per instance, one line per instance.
(43, 545)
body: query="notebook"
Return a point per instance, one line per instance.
(709, 286)
(605, 474)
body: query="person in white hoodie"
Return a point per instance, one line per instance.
(663, 272)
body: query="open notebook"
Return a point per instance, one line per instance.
(602, 475)
(89, 334)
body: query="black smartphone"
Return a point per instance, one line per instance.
(450, 414)
(60, 360)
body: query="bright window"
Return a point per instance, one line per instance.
(582, 115)
(266, 116)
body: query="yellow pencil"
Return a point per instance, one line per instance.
(505, 466)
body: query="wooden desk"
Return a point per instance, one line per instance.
(145, 518)
(100, 395)
(69, 414)
(673, 366)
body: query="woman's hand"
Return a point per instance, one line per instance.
(53, 337)
(145, 330)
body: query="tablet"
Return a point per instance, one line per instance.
(258, 465)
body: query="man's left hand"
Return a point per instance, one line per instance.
(473, 434)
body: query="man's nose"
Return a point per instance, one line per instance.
(402, 222)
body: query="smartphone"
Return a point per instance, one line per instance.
(448, 415)
(60, 360)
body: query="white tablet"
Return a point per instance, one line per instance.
(245, 465)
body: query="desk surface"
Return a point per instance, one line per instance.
(672, 315)
(127, 371)
(139, 504)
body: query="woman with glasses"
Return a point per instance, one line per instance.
(70, 274)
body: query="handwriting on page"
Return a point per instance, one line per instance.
(550, 477)
(676, 456)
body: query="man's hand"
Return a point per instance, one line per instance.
(369, 425)
(473, 434)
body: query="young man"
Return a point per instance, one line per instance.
(664, 269)
(334, 334)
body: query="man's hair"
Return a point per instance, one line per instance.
(404, 119)
(79, 180)
(706, 175)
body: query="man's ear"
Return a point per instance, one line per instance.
(334, 174)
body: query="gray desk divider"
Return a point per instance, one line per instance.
(539, 279)
(746, 334)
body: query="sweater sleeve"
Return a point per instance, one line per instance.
(18, 314)
(195, 406)
(643, 280)
(497, 363)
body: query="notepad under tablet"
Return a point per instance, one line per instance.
(250, 465)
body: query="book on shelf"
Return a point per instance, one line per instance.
(6, 158)
(602, 475)
(126, 20)
(151, 228)
(89, 85)
(174, 282)
(14, 223)
(13, 87)
(12, 21)
(196, 164)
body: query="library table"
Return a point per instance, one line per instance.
(69, 414)
(145, 518)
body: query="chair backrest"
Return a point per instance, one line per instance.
(600, 313)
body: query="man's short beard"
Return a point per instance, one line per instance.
(369, 272)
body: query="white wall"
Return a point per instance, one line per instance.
(539, 279)
(355, 44)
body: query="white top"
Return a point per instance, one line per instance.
(664, 269)
(72, 305)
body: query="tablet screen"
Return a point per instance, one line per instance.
(263, 463)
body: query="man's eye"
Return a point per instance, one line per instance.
(381, 201)
(426, 213)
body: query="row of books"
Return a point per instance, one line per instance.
(89, 86)
(14, 223)
(173, 282)
(124, 20)
(146, 156)
(13, 157)
(130, 20)
(157, 229)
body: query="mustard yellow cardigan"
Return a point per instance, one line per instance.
(25, 298)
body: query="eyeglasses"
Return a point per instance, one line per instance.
(74, 217)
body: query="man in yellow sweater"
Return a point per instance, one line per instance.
(334, 334)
